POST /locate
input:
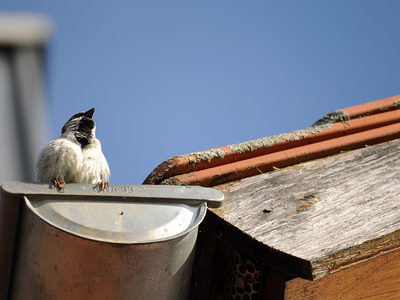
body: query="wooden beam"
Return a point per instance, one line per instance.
(374, 279)
(324, 215)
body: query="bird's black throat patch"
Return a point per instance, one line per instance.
(84, 132)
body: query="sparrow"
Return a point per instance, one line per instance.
(76, 156)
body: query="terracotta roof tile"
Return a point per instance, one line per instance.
(341, 130)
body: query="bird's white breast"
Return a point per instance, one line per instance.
(63, 159)
(95, 167)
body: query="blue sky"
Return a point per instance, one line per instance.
(173, 77)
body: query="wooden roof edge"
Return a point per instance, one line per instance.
(349, 257)
(305, 210)
(366, 123)
(261, 253)
(297, 266)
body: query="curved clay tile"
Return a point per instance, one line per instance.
(341, 130)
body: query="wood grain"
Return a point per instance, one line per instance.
(374, 279)
(329, 213)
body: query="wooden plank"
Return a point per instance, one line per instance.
(327, 213)
(374, 279)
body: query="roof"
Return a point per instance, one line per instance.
(341, 130)
(300, 202)
(318, 217)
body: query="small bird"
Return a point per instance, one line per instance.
(76, 156)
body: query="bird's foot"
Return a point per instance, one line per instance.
(102, 185)
(59, 184)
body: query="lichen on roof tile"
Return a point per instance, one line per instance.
(238, 159)
(158, 173)
(396, 104)
(208, 155)
(333, 117)
(275, 139)
(171, 181)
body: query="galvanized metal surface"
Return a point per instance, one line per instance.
(121, 192)
(9, 209)
(89, 244)
(53, 264)
(119, 222)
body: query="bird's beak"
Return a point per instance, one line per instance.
(89, 113)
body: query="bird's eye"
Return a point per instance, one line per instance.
(63, 130)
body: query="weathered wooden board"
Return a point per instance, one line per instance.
(327, 213)
(375, 279)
